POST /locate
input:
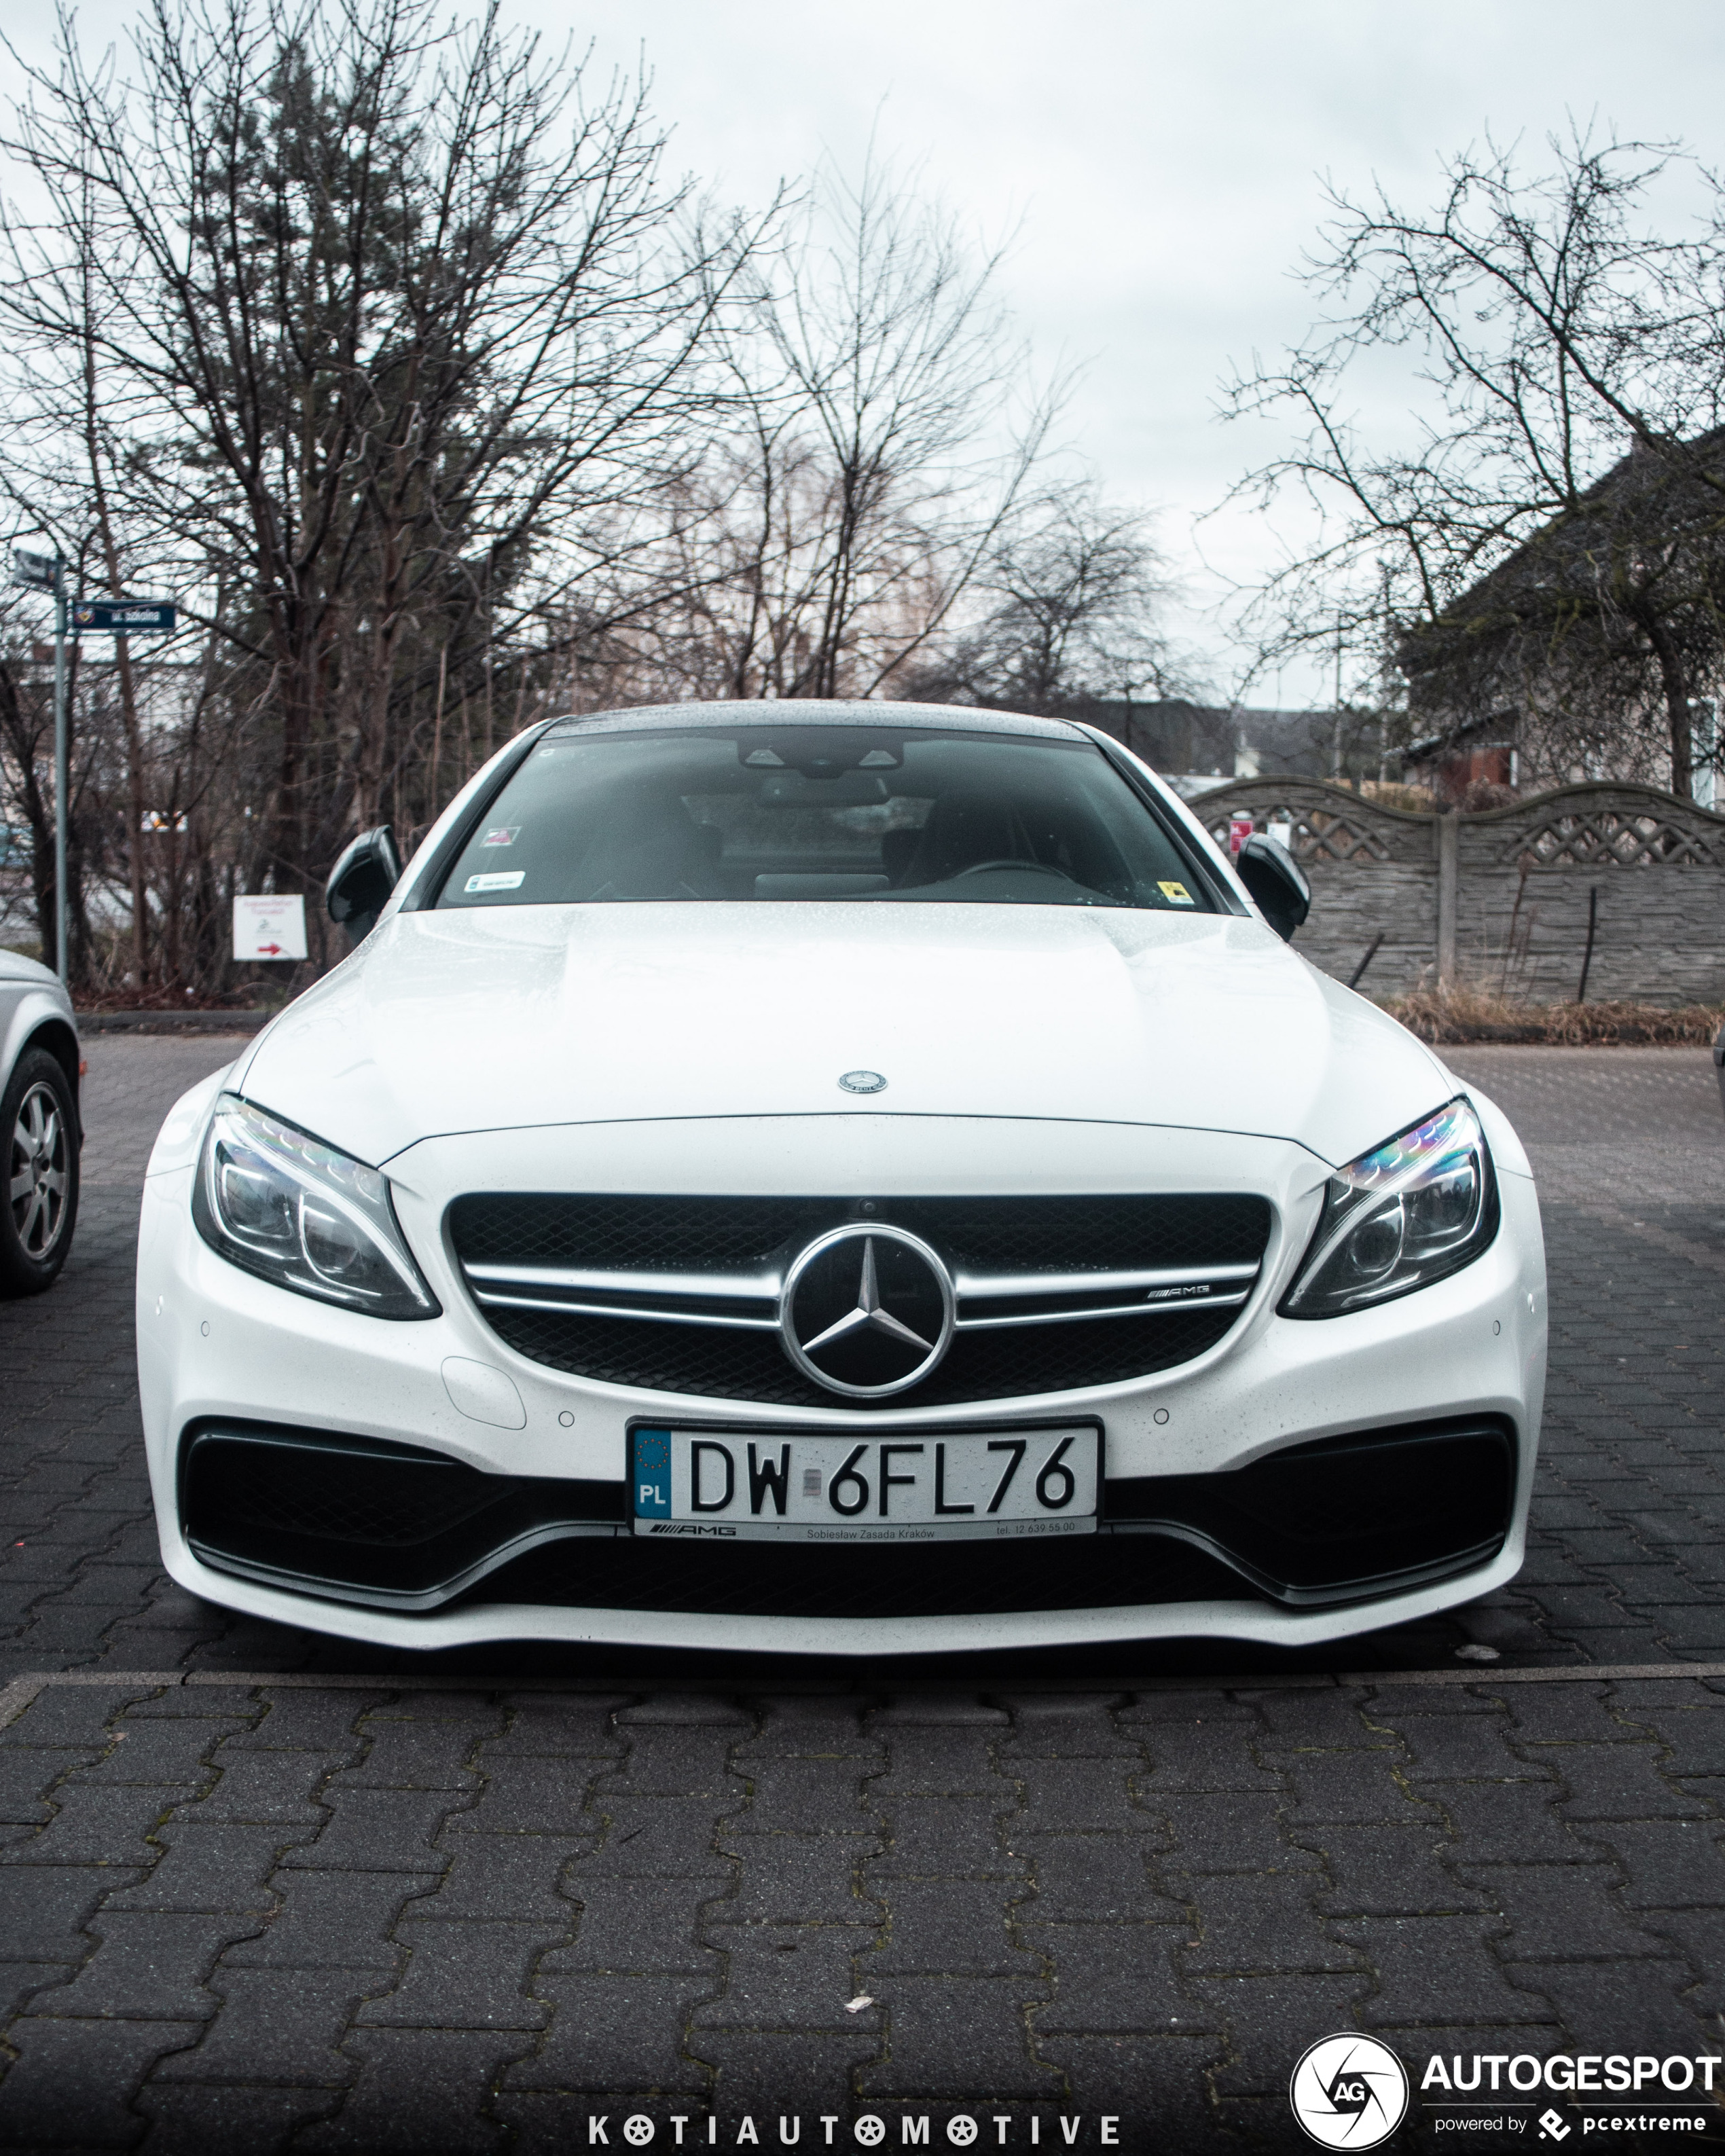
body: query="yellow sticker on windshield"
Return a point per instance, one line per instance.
(1176, 894)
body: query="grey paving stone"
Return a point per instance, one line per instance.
(1254, 1923)
(1628, 2006)
(467, 1973)
(71, 2083)
(1606, 1782)
(528, 1794)
(1154, 2085)
(637, 1924)
(277, 1787)
(770, 2074)
(417, 2090)
(1438, 1971)
(1665, 1863)
(943, 1836)
(1096, 1878)
(784, 1794)
(961, 2037)
(543, 1726)
(212, 1867)
(514, 1876)
(109, 1826)
(1389, 1872)
(1202, 1758)
(1468, 1747)
(274, 2026)
(807, 1878)
(1231, 1830)
(1046, 1726)
(940, 1759)
(945, 1926)
(218, 2121)
(1114, 1978)
(1503, 1822)
(1069, 1796)
(27, 1777)
(1560, 1911)
(618, 2033)
(48, 1905)
(377, 1830)
(419, 1754)
(648, 1836)
(809, 1725)
(332, 1920)
(148, 1967)
(787, 1977)
(325, 1722)
(1270, 2020)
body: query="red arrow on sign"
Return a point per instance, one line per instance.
(270, 950)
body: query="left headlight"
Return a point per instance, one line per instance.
(297, 1213)
(1419, 1206)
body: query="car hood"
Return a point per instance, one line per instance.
(519, 1016)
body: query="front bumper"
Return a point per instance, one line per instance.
(223, 1356)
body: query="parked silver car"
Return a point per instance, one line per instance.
(39, 1120)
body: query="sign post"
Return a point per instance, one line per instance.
(45, 572)
(269, 926)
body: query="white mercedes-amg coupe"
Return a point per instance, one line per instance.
(849, 1177)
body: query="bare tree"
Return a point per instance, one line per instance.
(882, 436)
(379, 312)
(1077, 594)
(1562, 503)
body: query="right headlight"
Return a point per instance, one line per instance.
(1417, 1209)
(280, 1204)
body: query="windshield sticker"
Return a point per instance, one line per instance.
(512, 879)
(1176, 894)
(501, 835)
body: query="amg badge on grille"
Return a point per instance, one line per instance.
(866, 1309)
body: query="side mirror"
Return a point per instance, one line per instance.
(1276, 882)
(360, 881)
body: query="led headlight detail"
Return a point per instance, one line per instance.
(1419, 1208)
(300, 1214)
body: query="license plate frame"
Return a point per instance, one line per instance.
(738, 1490)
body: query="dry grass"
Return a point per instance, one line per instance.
(1456, 1016)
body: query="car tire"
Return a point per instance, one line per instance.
(39, 1206)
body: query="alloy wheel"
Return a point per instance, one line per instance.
(39, 1176)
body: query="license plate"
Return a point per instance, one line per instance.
(915, 1486)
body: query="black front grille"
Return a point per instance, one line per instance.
(947, 1579)
(744, 1234)
(714, 1363)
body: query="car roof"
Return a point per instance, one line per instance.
(800, 711)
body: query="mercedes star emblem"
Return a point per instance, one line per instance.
(866, 1309)
(863, 1082)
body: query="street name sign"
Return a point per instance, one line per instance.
(122, 617)
(34, 569)
(269, 926)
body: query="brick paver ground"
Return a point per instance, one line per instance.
(260, 1891)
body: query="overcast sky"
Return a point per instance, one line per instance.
(1163, 158)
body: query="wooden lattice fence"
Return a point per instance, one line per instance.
(1509, 899)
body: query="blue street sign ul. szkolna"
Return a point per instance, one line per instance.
(652, 1474)
(122, 617)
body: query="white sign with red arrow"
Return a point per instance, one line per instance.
(266, 926)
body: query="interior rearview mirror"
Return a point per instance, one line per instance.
(360, 881)
(1276, 882)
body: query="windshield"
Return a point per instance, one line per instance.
(823, 812)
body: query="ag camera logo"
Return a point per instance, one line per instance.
(1349, 2092)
